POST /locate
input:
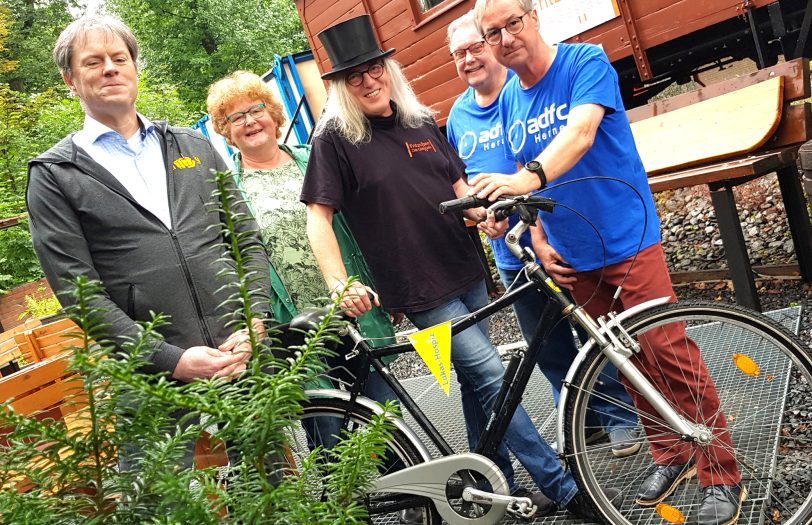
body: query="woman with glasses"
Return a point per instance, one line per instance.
(246, 112)
(379, 159)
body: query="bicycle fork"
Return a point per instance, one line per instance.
(619, 347)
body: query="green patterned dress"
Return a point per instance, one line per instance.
(274, 198)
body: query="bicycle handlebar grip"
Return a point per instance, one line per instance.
(463, 203)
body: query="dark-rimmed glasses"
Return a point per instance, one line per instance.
(514, 26)
(238, 118)
(356, 78)
(475, 49)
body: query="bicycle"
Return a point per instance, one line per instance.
(752, 359)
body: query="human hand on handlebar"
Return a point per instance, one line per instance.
(357, 299)
(555, 265)
(493, 185)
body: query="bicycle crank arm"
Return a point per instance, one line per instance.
(521, 508)
(429, 480)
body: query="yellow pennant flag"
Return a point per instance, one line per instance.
(434, 346)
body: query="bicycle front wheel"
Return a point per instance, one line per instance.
(323, 419)
(762, 375)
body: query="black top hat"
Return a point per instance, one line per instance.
(350, 43)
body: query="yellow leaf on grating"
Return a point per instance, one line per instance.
(669, 513)
(746, 365)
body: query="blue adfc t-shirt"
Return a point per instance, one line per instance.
(533, 117)
(478, 136)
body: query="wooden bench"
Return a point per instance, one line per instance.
(729, 133)
(48, 340)
(47, 388)
(9, 349)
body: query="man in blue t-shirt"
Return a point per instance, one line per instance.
(475, 130)
(564, 121)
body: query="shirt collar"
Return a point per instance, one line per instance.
(93, 129)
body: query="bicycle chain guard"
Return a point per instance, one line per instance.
(429, 480)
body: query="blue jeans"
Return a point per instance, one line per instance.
(479, 371)
(555, 359)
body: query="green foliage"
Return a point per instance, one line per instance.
(73, 469)
(192, 43)
(158, 100)
(18, 264)
(38, 306)
(122, 411)
(6, 64)
(33, 29)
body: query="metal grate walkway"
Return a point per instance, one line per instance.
(446, 414)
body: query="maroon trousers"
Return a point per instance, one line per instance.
(678, 371)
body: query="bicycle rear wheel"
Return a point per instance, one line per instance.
(321, 421)
(763, 377)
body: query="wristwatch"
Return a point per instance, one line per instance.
(534, 166)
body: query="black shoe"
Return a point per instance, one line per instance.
(411, 516)
(720, 505)
(544, 505)
(584, 508)
(662, 481)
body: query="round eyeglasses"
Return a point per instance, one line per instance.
(238, 118)
(356, 78)
(475, 49)
(514, 26)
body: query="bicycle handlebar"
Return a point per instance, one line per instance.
(464, 203)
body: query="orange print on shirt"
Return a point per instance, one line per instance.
(417, 147)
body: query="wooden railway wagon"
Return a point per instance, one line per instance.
(651, 43)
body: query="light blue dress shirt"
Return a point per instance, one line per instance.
(136, 162)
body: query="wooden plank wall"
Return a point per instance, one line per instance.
(419, 41)
(658, 21)
(422, 51)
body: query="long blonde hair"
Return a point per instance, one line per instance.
(342, 114)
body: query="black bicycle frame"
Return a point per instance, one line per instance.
(515, 379)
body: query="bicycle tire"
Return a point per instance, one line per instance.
(400, 445)
(763, 377)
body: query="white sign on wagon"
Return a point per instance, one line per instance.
(562, 19)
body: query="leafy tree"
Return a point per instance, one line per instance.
(191, 43)
(34, 26)
(6, 64)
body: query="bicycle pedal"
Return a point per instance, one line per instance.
(522, 508)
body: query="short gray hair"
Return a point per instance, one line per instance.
(481, 5)
(466, 20)
(63, 49)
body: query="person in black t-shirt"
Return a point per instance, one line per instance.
(379, 158)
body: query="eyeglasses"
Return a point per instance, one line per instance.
(356, 78)
(514, 26)
(238, 118)
(475, 49)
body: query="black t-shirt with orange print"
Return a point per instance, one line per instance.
(389, 189)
